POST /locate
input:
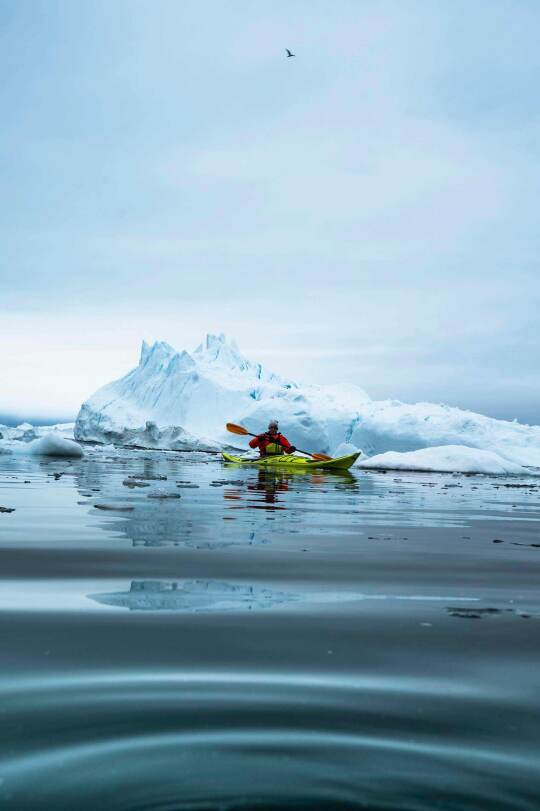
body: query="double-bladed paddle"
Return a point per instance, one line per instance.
(241, 431)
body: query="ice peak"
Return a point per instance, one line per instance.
(158, 352)
(182, 361)
(220, 349)
(145, 351)
(214, 343)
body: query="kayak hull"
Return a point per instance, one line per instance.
(293, 463)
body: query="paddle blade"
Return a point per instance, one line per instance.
(236, 429)
(321, 457)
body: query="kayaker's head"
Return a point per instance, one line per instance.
(273, 427)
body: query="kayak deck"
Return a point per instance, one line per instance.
(292, 463)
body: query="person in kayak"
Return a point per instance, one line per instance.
(272, 443)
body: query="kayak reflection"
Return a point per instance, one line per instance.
(270, 485)
(273, 486)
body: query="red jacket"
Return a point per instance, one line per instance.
(263, 440)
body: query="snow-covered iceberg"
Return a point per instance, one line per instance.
(195, 394)
(186, 398)
(444, 459)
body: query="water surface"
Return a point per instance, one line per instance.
(266, 640)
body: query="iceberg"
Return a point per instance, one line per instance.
(181, 400)
(187, 398)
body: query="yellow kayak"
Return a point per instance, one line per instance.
(294, 463)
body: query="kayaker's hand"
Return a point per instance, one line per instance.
(292, 449)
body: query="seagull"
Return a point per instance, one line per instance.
(289, 53)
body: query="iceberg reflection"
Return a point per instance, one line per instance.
(193, 596)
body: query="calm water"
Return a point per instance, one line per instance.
(266, 641)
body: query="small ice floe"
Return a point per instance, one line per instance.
(123, 508)
(148, 477)
(134, 483)
(163, 494)
(478, 613)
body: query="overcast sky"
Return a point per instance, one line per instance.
(365, 212)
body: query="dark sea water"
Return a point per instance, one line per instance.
(266, 641)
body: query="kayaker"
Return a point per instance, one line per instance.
(272, 443)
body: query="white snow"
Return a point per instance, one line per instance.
(444, 459)
(182, 400)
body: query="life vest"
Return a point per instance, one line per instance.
(271, 446)
(273, 450)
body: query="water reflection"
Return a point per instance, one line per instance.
(204, 513)
(204, 595)
(222, 506)
(270, 485)
(193, 596)
(395, 670)
(273, 485)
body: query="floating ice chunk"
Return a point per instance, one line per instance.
(444, 459)
(122, 508)
(53, 444)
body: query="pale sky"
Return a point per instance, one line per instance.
(365, 212)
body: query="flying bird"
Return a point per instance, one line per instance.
(289, 53)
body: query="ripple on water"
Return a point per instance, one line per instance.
(120, 740)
